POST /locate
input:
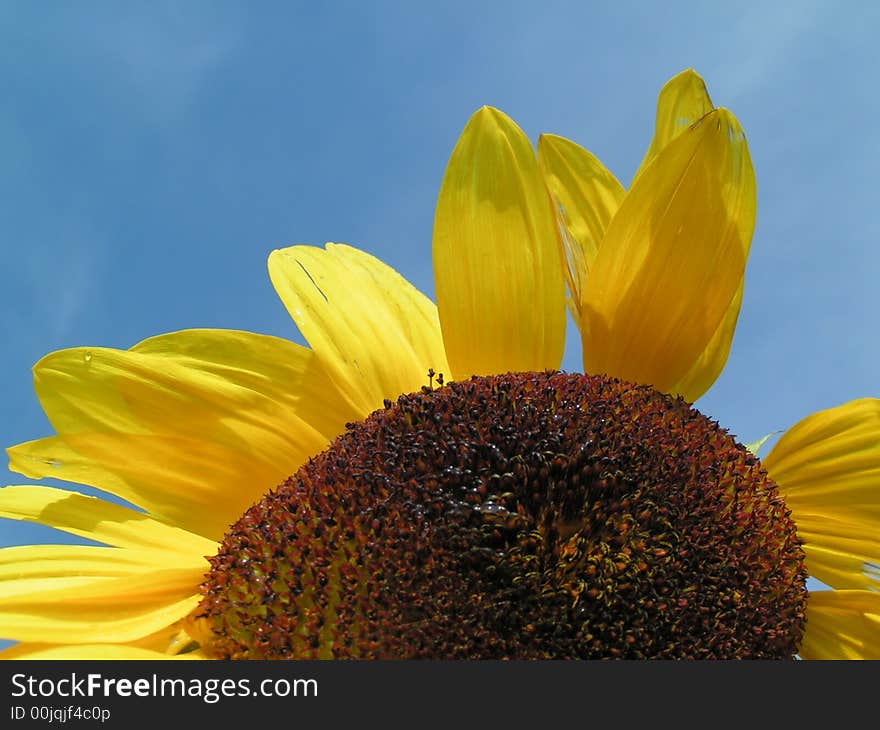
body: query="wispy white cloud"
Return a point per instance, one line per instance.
(764, 38)
(155, 59)
(58, 280)
(162, 64)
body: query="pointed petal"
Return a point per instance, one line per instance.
(705, 371)
(673, 258)
(32, 568)
(274, 371)
(842, 625)
(230, 393)
(102, 521)
(585, 197)
(189, 482)
(112, 611)
(183, 420)
(682, 101)
(755, 446)
(841, 559)
(827, 467)
(376, 334)
(499, 282)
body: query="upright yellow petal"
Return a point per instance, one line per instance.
(673, 258)
(585, 196)
(842, 625)
(682, 101)
(497, 270)
(375, 333)
(827, 467)
(710, 363)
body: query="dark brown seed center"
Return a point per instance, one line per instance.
(527, 515)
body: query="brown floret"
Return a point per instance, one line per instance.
(528, 515)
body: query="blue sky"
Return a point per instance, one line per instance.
(153, 154)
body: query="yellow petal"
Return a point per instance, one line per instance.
(184, 421)
(829, 462)
(104, 522)
(682, 101)
(89, 652)
(376, 335)
(850, 564)
(827, 467)
(32, 568)
(229, 399)
(673, 258)
(192, 483)
(842, 625)
(111, 611)
(709, 365)
(585, 196)
(497, 269)
(272, 371)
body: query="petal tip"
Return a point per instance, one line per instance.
(491, 117)
(687, 77)
(551, 141)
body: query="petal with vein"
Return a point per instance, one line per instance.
(497, 269)
(111, 611)
(585, 196)
(827, 467)
(283, 377)
(842, 625)
(376, 334)
(672, 258)
(32, 568)
(184, 421)
(682, 101)
(101, 390)
(102, 521)
(851, 562)
(192, 483)
(709, 365)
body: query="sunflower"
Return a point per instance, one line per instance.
(656, 277)
(347, 499)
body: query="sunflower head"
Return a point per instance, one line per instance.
(529, 515)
